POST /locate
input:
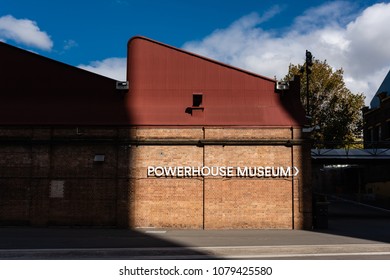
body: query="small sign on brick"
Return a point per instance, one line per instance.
(57, 188)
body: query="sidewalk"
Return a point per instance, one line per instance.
(345, 235)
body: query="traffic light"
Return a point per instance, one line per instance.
(309, 61)
(309, 64)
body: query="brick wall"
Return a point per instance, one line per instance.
(48, 176)
(165, 202)
(216, 202)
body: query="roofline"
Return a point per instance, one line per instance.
(371, 110)
(386, 77)
(377, 92)
(53, 60)
(199, 56)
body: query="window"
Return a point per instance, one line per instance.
(370, 135)
(377, 133)
(388, 130)
(197, 99)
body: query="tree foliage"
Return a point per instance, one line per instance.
(332, 106)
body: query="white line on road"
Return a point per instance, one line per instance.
(307, 255)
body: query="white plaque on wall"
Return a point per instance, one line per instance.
(57, 188)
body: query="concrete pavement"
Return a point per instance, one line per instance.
(348, 237)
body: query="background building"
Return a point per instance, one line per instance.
(360, 174)
(377, 137)
(75, 149)
(377, 118)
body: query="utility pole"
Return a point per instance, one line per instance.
(309, 64)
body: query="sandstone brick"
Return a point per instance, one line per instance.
(119, 192)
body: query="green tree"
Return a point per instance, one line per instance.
(332, 106)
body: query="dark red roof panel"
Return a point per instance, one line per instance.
(35, 90)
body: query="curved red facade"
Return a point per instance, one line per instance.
(164, 80)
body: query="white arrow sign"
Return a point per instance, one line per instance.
(296, 171)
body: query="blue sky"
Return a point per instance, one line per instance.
(258, 35)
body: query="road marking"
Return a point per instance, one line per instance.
(265, 256)
(156, 231)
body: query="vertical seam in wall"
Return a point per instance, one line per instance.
(292, 180)
(117, 200)
(51, 167)
(203, 185)
(32, 189)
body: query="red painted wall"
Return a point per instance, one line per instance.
(163, 80)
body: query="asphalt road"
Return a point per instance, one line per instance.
(354, 232)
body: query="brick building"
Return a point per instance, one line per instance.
(377, 117)
(376, 133)
(75, 150)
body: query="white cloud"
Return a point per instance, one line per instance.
(69, 44)
(334, 13)
(24, 31)
(357, 42)
(370, 39)
(114, 68)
